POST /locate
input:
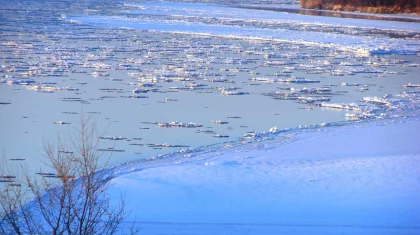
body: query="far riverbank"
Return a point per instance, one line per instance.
(333, 13)
(383, 7)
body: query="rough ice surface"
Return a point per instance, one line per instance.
(366, 36)
(332, 178)
(357, 178)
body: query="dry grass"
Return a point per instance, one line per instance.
(369, 6)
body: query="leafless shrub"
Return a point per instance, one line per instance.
(71, 200)
(385, 6)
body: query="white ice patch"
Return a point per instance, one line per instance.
(363, 176)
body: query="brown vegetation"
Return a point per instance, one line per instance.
(371, 6)
(72, 199)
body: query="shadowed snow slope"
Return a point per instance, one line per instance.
(361, 179)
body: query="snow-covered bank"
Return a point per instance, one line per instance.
(359, 179)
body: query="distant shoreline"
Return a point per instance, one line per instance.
(331, 13)
(369, 9)
(366, 6)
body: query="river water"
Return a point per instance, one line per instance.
(230, 71)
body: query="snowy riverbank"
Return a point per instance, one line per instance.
(358, 179)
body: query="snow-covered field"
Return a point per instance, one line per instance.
(357, 179)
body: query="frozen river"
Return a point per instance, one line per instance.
(222, 118)
(135, 67)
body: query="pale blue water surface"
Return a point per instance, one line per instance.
(27, 122)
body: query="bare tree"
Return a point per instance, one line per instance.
(390, 6)
(13, 198)
(71, 200)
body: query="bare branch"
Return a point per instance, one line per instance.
(73, 198)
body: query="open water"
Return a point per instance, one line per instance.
(230, 71)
